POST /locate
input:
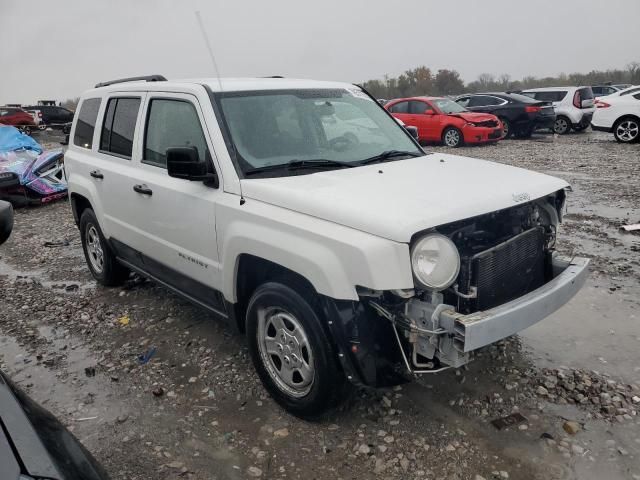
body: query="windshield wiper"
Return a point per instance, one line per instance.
(388, 154)
(302, 165)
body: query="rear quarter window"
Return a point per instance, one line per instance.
(586, 93)
(86, 124)
(400, 107)
(119, 126)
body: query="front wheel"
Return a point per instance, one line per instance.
(506, 127)
(26, 129)
(562, 126)
(627, 130)
(452, 137)
(290, 350)
(100, 259)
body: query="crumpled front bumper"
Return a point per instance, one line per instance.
(437, 331)
(483, 328)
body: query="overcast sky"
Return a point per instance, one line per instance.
(57, 49)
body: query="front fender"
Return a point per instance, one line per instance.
(333, 258)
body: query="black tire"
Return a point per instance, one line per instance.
(112, 273)
(506, 127)
(562, 125)
(6, 221)
(328, 386)
(524, 132)
(580, 128)
(627, 130)
(452, 137)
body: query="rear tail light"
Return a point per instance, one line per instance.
(576, 100)
(601, 104)
(530, 109)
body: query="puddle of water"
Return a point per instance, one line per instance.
(39, 277)
(598, 330)
(66, 391)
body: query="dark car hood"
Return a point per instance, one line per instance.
(44, 447)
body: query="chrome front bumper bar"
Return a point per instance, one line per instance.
(483, 328)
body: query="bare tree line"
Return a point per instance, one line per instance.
(423, 81)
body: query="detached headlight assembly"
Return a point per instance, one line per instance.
(435, 261)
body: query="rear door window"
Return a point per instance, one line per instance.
(485, 101)
(400, 107)
(418, 108)
(172, 123)
(86, 124)
(119, 126)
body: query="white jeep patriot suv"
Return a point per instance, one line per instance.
(304, 215)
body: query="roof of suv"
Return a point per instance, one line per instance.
(225, 84)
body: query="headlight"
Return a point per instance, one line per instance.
(435, 261)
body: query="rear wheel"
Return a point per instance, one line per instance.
(580, 128)
(291, 352)
(627, 130)
(452, 137)
(100, 259)
(562, 125)
(26, 129)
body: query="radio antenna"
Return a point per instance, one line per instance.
(208, 44)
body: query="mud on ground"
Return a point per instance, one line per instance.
(158, 389)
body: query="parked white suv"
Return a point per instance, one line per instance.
(302, 213)
(573, 105)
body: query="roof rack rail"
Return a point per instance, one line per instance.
(146, 78)
(273, 76)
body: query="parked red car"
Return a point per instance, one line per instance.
(16, 117)
(442, 120)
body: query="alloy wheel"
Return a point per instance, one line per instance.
(627, 130)
(94, 249)
(452, 138)
(561, 126)
(285, 351)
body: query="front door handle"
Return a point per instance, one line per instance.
(143, 189)
(96, 174)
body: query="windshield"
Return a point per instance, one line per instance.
(277, 127)
(448, 106)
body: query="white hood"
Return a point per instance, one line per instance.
(394, 200)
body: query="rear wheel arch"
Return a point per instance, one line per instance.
(79, 204)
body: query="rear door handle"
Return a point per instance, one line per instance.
(143, 189)
(96, 174)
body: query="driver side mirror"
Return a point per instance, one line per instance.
(429, 112)
(184, 163)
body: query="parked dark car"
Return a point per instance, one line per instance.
(53, 115)
(35, 445)
(520, 115)
(17, 117)
(6, 220)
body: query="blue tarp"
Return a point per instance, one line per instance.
(13, 139)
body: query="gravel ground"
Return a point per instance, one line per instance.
(157, 389)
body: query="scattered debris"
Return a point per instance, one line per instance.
(508, 421)
(571, 427)
(630, 228)
(145, 357)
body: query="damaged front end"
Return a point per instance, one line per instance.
(510, 277)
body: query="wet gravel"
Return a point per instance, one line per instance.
(158, 389)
